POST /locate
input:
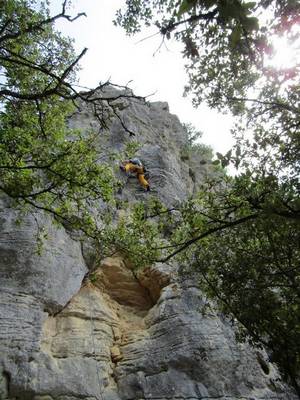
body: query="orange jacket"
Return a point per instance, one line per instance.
(133, 168)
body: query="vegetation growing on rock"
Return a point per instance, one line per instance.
(242, 233)
(45, 164)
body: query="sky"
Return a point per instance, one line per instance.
(121, 59)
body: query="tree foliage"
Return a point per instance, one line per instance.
(241, 233)
(44, 164)
(225, 42)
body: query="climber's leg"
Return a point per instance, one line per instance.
(143, 181)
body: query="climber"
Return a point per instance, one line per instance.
(134, 165)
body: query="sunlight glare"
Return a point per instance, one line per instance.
(286, 55)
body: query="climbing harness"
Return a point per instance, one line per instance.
(93, 344)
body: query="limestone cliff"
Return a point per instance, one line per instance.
(125, 335)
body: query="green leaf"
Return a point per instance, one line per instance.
(230, 10)
(185, 6)
(235, 36)
(228, 154)
(209, 3)
(251, 24)
(249, 6)
(224, 162)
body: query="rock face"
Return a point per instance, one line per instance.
(122, 335)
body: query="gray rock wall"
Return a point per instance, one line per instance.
(124, 336)
(31, 287)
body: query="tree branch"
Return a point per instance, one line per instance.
(207, 233)
(172, 25)
(40, 25)
(48, 92)
(267, 103)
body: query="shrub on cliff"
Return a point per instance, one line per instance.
(242, 233)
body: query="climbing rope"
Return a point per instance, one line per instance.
(93, 343)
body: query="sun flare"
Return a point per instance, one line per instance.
(286, 53)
